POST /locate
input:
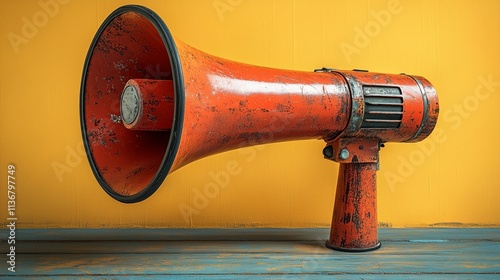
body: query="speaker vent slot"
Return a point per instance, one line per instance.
(383, 107)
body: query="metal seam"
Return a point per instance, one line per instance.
(426, 107)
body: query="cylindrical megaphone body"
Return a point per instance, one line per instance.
(151, 104)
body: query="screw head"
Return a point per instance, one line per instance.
(344, 154)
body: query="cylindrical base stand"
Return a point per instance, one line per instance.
(354, 223)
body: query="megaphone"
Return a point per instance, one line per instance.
(150, 104)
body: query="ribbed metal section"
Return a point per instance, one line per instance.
(383, 107)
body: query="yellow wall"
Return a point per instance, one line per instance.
(452, 177)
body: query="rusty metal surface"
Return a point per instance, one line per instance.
(155, 105)
(385, 108)
(128, 48)
(420, 107)
(186, 105)
(231, 105)
(228, 105)
(354, 222)
(356, 150)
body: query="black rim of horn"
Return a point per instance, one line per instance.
(178, 81)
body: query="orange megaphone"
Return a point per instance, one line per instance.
(151, 104)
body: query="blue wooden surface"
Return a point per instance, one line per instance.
(250, 253)
(291, 234)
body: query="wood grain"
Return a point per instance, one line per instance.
(251, 253)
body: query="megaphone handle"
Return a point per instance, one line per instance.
(354, 224)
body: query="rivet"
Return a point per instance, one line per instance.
(344, 154)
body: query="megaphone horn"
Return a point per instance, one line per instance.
(179, 104)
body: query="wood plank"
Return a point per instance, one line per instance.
(171, 234)
(430, 276)
(247, 247)
(267, 234)
(265, 263)
(251, 253)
